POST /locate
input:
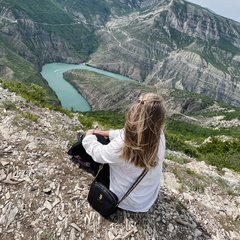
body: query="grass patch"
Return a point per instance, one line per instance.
(46, 235)
(194, 181)
(180, 160)
(189, 131)
(226, 188)
(86, 121)
(107, 119)
(8, 105)
(176, 142)
(221, 154)
(33, 93)
(41, 11)
(30, 116)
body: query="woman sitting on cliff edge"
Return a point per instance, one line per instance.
(140, 145)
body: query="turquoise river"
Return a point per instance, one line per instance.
(67, 94)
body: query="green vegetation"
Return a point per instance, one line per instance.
(54, 31)
(228, 115)
(85, 44)
(209, 55)
(176, 142)
(181, 39)
(23, 70)
(40, 11)
(196, 182)
(9, 105)
(30, 116)
(226, 45)
(86, 121)
(46, 235)
(190, 131)
(96, 7)
(216, 152)
(222, 154)
(33, 93)
(91, 8)
(205, 101)
(107, 119)
(180, 160)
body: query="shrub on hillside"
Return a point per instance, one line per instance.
(175, 142)
(222, 154)
(32, 92)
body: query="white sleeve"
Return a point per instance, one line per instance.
(114, 134)
(103, 153)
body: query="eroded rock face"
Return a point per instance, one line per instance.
(194, 74)
(43, 192)
(177, 45)
(33, 40)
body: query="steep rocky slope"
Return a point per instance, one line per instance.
(43, 192)
(42, 32)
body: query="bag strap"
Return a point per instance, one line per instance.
(99, 169)
(144, 172)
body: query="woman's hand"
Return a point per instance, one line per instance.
(90, 131)
(97, 131)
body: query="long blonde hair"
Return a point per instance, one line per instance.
(144, 122)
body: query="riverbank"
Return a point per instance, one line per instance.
(70, 97)
(104, 92)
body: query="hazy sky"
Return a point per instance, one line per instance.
(226, 8)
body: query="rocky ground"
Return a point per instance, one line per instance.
(43, 191)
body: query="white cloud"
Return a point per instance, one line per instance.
(226, 8)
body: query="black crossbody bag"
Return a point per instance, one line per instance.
(103, 200)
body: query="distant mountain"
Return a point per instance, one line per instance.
(171, 44)
(175, 44)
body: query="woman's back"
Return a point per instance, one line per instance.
(140, 145)
(122, 176)
(124, 173)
